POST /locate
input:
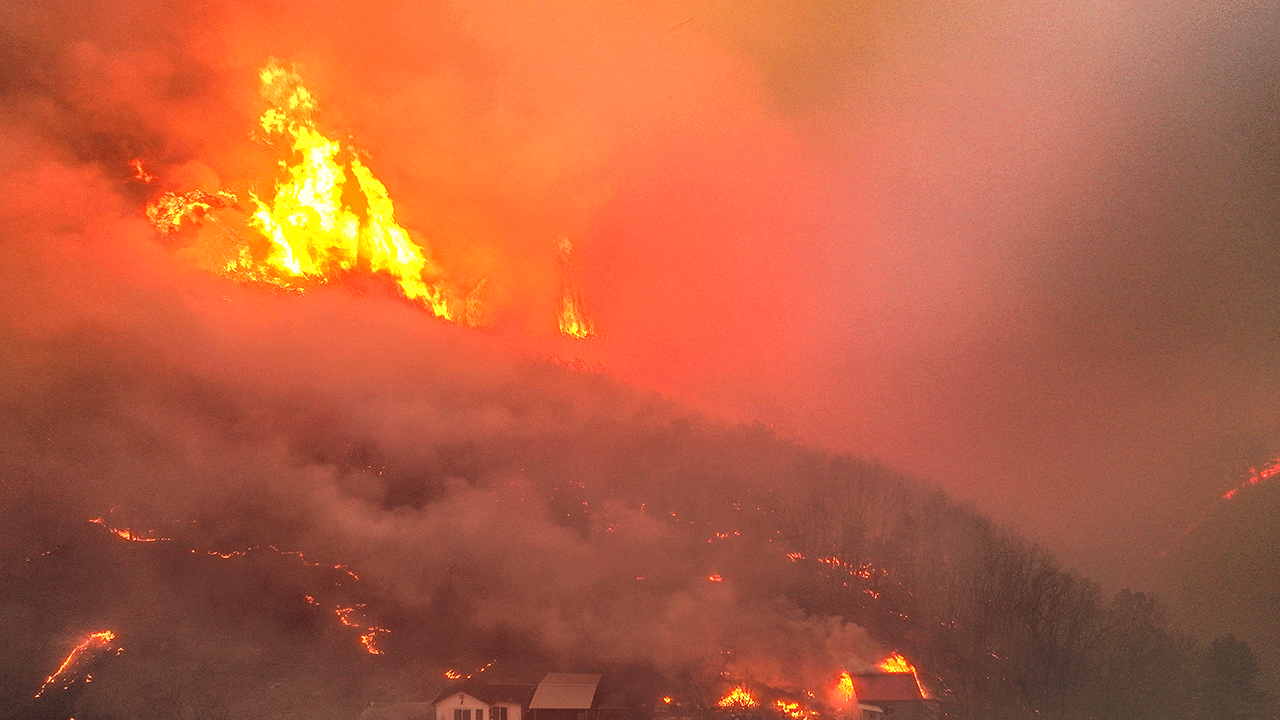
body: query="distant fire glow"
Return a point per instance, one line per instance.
(1255, 476)
(128, 534)
(78, 661)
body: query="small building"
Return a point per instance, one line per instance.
(894, 696)
(569, 696)
(560, 696)
(479, 700)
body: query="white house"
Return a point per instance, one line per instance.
(478, 700)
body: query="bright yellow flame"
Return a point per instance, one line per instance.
(738, 697)
(895, 663)
(844, 689)
(171, 211)
(572, 317)
(314, 233)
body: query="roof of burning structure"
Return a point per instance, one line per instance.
(565, 691)
(886, 687)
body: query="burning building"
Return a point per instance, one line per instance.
(894, 694)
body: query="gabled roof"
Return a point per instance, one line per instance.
(565, 691)
(875, 688)
(489, 694)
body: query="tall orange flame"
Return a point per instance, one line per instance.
(572, 316)
(844, 689)
(313, 231)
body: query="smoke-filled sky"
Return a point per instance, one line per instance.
(1025, 251)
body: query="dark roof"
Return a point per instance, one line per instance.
(876, 688)
(489, 694)
(565, 691)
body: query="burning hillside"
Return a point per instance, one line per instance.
(288, 486)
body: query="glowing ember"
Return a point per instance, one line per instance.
(1256, 476)
(738, 698)
(369, 639)
(667, 699)
(452, 675)
(573, 319)
(78, 661)
(715, 578)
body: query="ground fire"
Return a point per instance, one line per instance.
(75, 668)
(353, 616)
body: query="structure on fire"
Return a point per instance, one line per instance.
(894, 694)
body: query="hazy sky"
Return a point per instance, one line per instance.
(1025, 250)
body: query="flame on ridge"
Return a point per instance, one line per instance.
(127, 533)
(572, 316)
(313, 232)
(78, 660)
(739, 697)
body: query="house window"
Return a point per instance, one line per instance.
(462, 714)
(498, 713)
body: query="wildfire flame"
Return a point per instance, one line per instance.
(573, 319)
(346, 615)
(313, 232)
(895, 663)
(844, 689)
(78, 660)
(171, 211)
(139, 173)
(1256, 476)
(738, 697)
(126, 533)
(794, 710)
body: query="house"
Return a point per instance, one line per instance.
(560, 696)
(479, 700)
(894, 696)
